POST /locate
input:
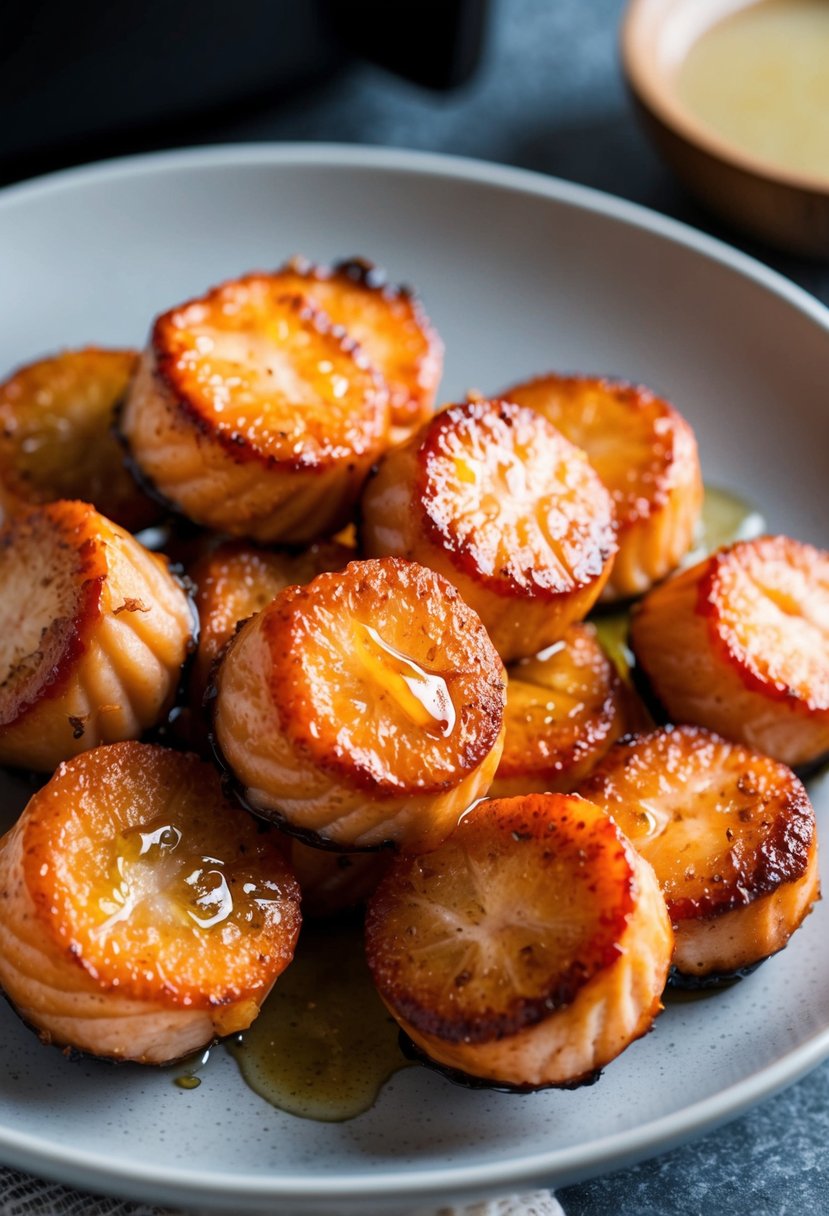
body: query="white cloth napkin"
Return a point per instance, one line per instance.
(22, 1195)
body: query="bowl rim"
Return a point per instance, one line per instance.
(651, 85)
(308, 1192)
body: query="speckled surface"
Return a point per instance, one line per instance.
(550, 97)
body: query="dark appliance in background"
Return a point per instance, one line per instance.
(91, 78)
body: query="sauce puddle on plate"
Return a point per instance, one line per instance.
(324, 1044)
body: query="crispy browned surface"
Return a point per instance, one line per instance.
(388, 322)
(363, 710)
(720, 824)
(93, 634)
(263, 374)
(52, 571)
(253, 415)
(382, 676)
(235, 580)
(489, 494)
(646, 455)
(154, 883)
(565, 707)
(740, 643)
(768, 604)
(637, 442)
(506, 922)
(514, 504)
(56, 441)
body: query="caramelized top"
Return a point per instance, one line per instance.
(238, 579)
(506, 921)
(768, 604)
(267, 375)
(382, 675)
(52, 569)
(56, 417)
(719, 823)
(637, 442)
(155, 882)
(388, 323)
(560, 703)
(512, 501)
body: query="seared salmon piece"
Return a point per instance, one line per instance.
(237, 579)
(56, 435)
(645, 453)
(388, 323)
(144, 915)
(565, 707)
(529, 949)
(363, 709)
(740, 643)
(491, 496)
(94, 630)
(253, 415)
(731, 837)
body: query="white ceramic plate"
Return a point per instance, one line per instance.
(520, 274)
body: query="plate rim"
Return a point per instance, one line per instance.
(555, 1166)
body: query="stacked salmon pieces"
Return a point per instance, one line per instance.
(395, 693)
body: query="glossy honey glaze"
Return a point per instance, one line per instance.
(760, 79)
(324, 1043)
(422, 695)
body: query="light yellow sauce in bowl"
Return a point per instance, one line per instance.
(760, 79)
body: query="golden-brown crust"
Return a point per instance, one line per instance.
(56, 442)
(252, 414)
(738, 643)
(362, 709)
(491, 496)
(388, 322)
(645, 453)
(345, 426)
(722, 825)
(93, 634)
(528, 950)
(44, 672)
(176, 939)
(569, 844)
(373, 593)
(565, 708)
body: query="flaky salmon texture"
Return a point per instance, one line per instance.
(396, 696)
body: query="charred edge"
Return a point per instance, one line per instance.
(713, 980)
(417, 1056)
(236, 790)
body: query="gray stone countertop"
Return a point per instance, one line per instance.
(550, 96)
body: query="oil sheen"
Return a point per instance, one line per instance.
(760, 79)
(423, 696)
(324, 1043)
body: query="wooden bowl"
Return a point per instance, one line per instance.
(785, 208)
